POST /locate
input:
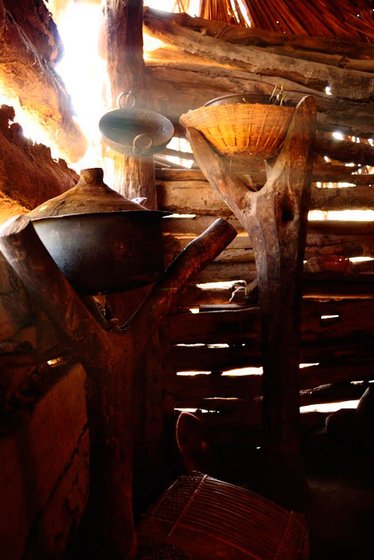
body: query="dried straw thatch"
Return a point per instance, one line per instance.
(349, 19)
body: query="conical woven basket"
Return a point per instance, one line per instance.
(242, 128)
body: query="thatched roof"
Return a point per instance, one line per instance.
(350, 19)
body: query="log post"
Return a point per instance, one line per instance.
(124, 52)
(110, 360)
(135, 177)
(153, 472)
(195, 256)
(275, 218)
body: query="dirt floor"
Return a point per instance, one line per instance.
(339, 463)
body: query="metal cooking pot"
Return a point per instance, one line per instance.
(135, 132)
(102, 241)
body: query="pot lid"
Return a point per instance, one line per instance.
(90, 196)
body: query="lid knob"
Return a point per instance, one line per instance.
(93, 175)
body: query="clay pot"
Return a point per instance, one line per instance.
(102, 241)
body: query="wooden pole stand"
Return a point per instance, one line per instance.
(276, 219)
(110, 360)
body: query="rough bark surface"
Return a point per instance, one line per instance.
(27, 75)
(37, 23)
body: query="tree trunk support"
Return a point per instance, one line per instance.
(110, 360)
(276, 219)
(124, 54)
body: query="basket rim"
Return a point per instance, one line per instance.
(225, 107)
(263, 99)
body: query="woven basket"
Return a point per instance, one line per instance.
(209, 519)
(242, 128)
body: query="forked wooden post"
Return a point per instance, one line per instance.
(276, 220)
(110, 360)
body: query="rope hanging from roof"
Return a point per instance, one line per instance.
(347, 19)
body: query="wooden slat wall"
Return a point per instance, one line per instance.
(337, 311)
